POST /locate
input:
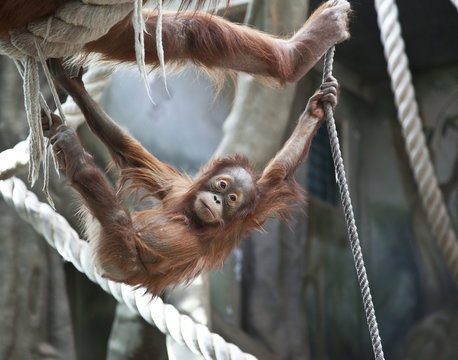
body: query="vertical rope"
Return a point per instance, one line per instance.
(139, 38)
(349, 217)
(415, 141)
(51, 84)
(31, 99)
(159, 44)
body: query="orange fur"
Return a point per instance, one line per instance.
(169, 243)
(166, 244)
(206, 40)
(216, 44)
(172, 247)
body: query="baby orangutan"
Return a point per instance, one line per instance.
(196, 223)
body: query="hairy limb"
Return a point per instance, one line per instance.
(208, 40)
(213, 42)
(326, 27)
(117, 235)
(143, 169)
(118, 142)
(285, 163)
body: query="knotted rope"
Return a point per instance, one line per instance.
(409, 118)
(350, 218)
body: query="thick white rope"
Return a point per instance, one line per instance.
(65, 32)
(14, 160)
(60, 235)
(409, 118)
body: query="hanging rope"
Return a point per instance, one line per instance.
(409, 118)
(59, 234)
(96, 79)
(349, 217)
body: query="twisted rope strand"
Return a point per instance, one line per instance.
(14, 160)
(409, 118)
(349, 217)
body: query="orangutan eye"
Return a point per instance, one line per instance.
(222, 184)
(233, 197)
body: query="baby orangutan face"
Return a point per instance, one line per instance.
(219, 199)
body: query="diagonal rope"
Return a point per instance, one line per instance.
(350, 218)
(415, 141)
(60, 235)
